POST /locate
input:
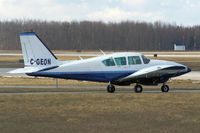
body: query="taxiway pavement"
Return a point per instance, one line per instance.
(95, 92)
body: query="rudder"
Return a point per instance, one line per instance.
(35, 52)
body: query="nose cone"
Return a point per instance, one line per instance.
(182, 70)
(185, 70)
(188, 69)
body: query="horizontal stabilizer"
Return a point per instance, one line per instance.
(25, 70)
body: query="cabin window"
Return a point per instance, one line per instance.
(134, 60)
(120, 61)
(145, 59)
(109, 62)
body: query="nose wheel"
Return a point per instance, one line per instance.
(111, 88)
(165, 88)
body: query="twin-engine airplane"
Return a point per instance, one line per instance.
(116, 69)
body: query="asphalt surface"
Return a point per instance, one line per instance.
(96, 92)
(84, 90)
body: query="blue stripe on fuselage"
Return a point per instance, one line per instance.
(100, 76)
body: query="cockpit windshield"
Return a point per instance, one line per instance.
(145, 59)
(109, 62)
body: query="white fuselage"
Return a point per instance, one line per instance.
(93, 69)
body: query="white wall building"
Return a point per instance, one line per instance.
(179, 47)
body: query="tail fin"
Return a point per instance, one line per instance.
(35, 52)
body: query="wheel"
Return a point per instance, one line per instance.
(165, 88)
(138, 88)
(111, 88)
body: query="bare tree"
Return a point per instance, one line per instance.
(87, 35)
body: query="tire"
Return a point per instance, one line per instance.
(165, 88)
(111, 88)
(138, 89)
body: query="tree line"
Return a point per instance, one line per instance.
(88, 35)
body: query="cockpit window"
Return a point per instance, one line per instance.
(134, 60)
(109, 62)
(145, 59)
(120, 61)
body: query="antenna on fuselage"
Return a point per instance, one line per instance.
(102, 52)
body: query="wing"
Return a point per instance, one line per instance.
(155, 72)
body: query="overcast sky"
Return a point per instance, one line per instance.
(181, 12)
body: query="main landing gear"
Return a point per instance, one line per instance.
(111, 88)
(138, 88)
(165, 88)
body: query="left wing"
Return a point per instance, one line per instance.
(154, 71)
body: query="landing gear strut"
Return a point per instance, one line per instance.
(165, 88)
(111, 88)
(138, 88)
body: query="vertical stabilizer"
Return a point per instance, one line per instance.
(35, 52)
